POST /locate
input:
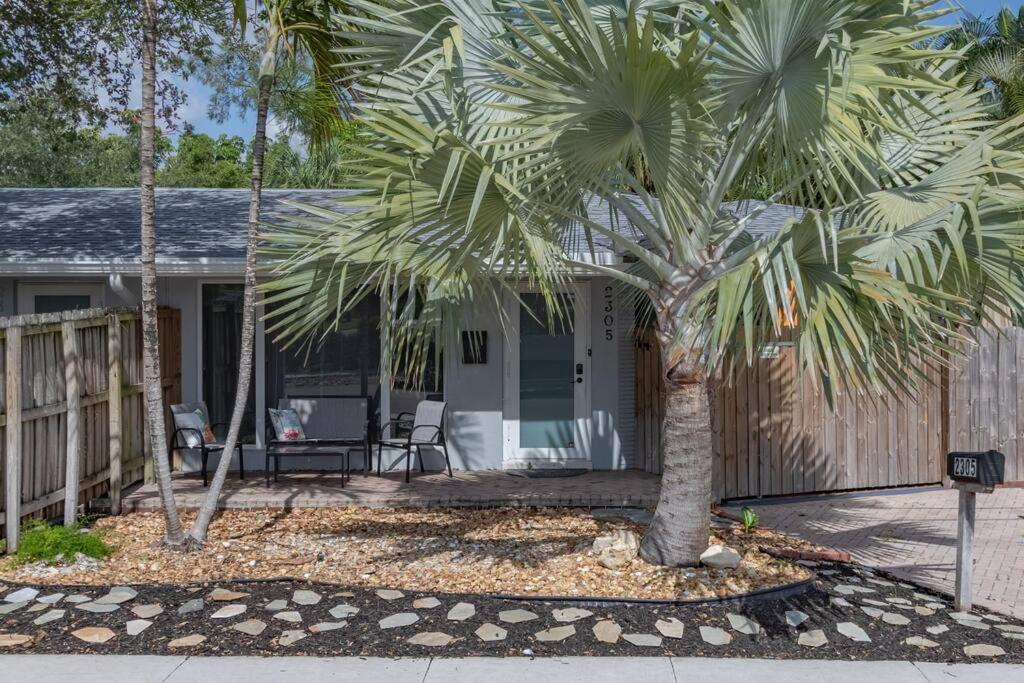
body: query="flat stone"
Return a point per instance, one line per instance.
(344, 594)
(187, 641)
(426, 603)
(720, 557)
(899, 601)
(712, 635)
(147, 611)
(461, 611)
(343, 611)
(250, 627)
(937, 630)
(117, 595)
(98, 608)
(556, 634)
(389, 594)
(918, 641)
(743, 624)
(193, 605)
(325, 626)
(971, 623)
(490, 633)
(38, 607)
(290, 616)
(795, 617)
(934, 605)
(228, 611)
(1013, 636)
(516, 616)
(607, 631)
(276, 605)
(93, 634)
(14, 639)
(895, 619)
(77, 598)
(923, 611)
(840, 602)
(1012, 628)
(844, 589)
(399, 620)
(881, 582)
(224, 595)
(670, 628)
(994, 618)
(571, 614)
(853, 632)
(872, 612)
(431, 639)
(9, 607)
(876, 603)
(305, 597)
(137, 626)
(21, 595)
(291, 637)
(965, 616)
(813, 638)
(983, 650)
(642, 639)
(51, 599)
(52, 615)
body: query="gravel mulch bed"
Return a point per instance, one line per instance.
(848, 612)
(499, 550)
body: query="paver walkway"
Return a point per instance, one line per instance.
(630, 488)
(912, 534)
(86, 669)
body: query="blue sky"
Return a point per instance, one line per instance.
(194, 111)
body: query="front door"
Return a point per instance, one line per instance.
(547, 383)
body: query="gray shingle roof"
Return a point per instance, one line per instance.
(101, 225)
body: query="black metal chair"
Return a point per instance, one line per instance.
(187, 436)
(333, 426)
(424, 428)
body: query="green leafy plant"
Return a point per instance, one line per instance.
(44, 542)
(748, 518)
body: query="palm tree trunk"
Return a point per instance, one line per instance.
(678, 534)
(197, 534)
(153, 391)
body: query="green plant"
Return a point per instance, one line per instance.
(41, 541)
(748, 518)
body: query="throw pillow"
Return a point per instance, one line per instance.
(287, 425)
(193, 422)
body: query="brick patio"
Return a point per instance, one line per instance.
(627, 488)
(912, 534)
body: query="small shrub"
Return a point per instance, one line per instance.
(43, 542)
(749, 518)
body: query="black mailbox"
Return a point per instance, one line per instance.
(987, 468)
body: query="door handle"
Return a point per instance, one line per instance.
(579, 380)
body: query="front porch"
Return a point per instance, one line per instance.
(482, 488)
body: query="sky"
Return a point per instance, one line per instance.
(194, 111)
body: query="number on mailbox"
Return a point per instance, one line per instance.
(985, 469)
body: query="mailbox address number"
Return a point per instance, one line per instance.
(965, 467)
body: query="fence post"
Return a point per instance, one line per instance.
(114, 409)
(73, 396)
(12, 481)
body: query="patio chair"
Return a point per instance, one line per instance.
(193, 430)
(332, 426)
(426, 429)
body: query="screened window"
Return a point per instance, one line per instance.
(222, 340)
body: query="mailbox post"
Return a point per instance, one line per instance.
(971, 473)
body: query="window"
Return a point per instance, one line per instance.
(222, 340)
(55, 303)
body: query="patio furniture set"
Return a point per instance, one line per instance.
(335, 426)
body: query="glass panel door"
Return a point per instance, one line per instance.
(546, 376)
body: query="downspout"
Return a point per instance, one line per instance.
(116, 284)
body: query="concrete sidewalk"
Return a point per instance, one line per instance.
(147, 669)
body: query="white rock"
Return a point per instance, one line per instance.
(276, 605)
(289, 616)
(853, 632)
(228, 611)
(461, 611)
(712, 635)
(490, 633)
(918, 641)
(743, 624)
(343, 611)
(10, 607)
(51, 599)
(251, 627)
(617, 549)
(305, 597)
(431, 639)
(52, 615)
(556, 634)
(813, 638)
(291, 637)
(325, 626)
(895, 619)
(670, 628)
(516, 616)
(720, 557)
(399, 620)
(571, 614)
(137, 626)
(983, 650)
(21, 595)
(937, 630)
(607, 631)
(795, 617)
(426, 603)
(642, 639)
(117, 595)
(147, 611)
(872, 612)
(389, 594)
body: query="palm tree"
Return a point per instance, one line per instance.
(993, 56)
(493, 126)
(151, 377)
(292, 30)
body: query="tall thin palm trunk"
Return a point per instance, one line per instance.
(153, 391)
(197, 533)
(678, 534)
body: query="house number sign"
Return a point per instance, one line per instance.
(609, 313)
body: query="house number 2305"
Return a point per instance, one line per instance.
(609, 315)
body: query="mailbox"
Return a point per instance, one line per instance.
(984, 469)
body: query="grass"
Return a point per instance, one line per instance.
(44, 542)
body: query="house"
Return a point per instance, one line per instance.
(532, 398)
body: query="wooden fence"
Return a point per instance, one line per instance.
(72, 410)
(774, 433)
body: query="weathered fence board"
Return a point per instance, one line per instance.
(71, 409)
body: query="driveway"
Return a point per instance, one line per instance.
(911, 533)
